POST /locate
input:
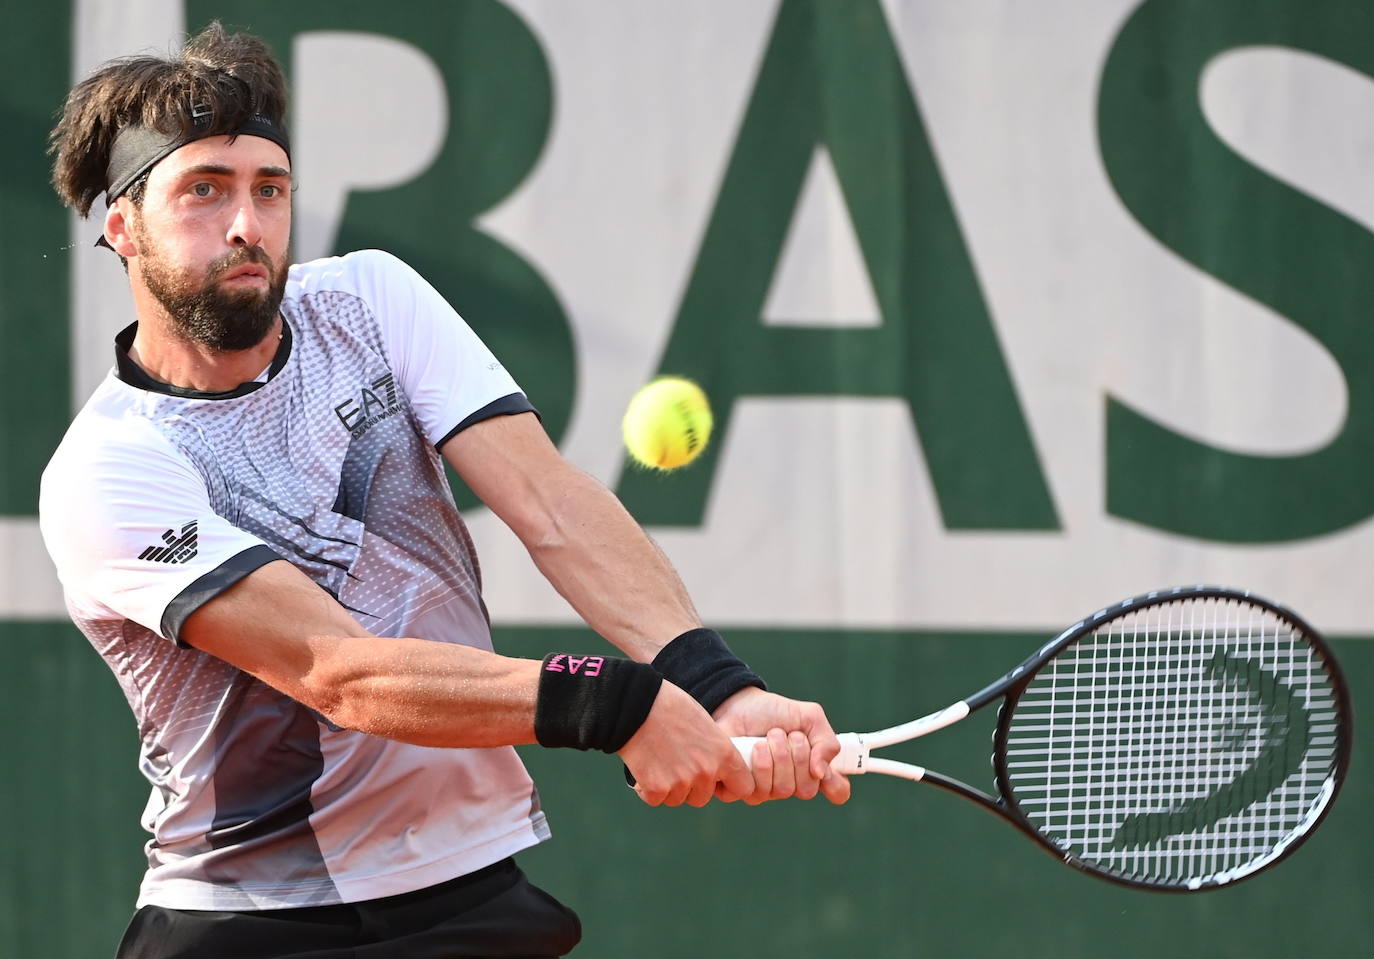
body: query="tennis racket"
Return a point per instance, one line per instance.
(1179, 741)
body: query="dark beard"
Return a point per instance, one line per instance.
(223, 320)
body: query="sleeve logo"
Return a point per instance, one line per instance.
(179, 548)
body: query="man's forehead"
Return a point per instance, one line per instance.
(241, 154)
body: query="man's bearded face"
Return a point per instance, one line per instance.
(204, 310)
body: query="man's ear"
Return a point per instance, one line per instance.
(119, 228)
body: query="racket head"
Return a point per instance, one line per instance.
(1179, 741)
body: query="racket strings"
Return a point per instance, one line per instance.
(1182, 744)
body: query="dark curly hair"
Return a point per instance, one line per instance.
(235, 75)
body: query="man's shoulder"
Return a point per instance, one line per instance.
(110, 421)
(108, 436)
(359, 272)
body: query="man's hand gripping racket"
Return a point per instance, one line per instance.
(1179, 741)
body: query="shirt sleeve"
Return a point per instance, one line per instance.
(449, 375)
(132, 534)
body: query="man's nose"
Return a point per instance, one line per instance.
(245, 229)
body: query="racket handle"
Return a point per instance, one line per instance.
(851, 761)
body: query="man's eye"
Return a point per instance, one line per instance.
(202, 189)
(271, 191)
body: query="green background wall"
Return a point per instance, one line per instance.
(902, 870)
(1073, 334)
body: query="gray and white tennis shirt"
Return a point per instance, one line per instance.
(159, 499)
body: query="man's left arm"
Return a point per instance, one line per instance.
(599, 559)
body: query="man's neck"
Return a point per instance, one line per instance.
(176, 361)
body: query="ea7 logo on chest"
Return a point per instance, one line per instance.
(371, 405)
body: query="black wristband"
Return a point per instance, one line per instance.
(700, 663)
(592, 702)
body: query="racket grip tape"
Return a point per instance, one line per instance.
(852, 760)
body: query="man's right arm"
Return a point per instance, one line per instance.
(278, 625)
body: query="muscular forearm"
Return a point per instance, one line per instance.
(579, 535)
(425, 693)
(598, 558)
(279, 626)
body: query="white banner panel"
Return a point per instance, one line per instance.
(822, 510)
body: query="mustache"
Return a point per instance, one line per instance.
(240, 257)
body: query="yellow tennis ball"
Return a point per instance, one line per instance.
(667, 423)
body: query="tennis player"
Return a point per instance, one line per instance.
(252, 526)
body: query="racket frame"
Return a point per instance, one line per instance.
(855, 757)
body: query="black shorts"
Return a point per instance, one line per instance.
(494, 912)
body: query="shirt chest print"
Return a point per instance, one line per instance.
(368, 405)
